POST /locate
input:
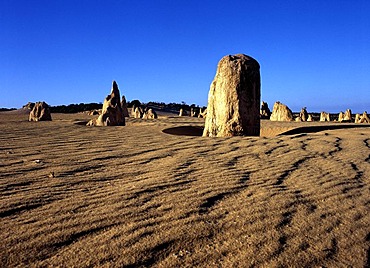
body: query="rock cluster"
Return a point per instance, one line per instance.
(234, 98)
(40, 112)
(345, 117)
(364, 118)
(265, 112)
(202, 114)
(138, 112)
(150, 114)
(112, 114)
(281, 112)
(324, 116)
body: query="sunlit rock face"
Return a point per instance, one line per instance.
(281, 112)
(112, 114)
(40, 112)
(234, 98)
(265, 112)
(324, 116)
(150, 114)
(303, 114)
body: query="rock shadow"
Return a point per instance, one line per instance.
(185, 131)
(313, 129)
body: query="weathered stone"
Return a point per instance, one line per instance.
(193, 112)
(138, 113)
(357, 118)
(112, 114)
(265, 112)
(303, 114)
(347, 116)
(28, 106)
(234, 98)
(124, 107)
(309, 119)
(150, 114)
(202, 114)
(281, 112)
(340, 116)
(40, 112)
(364, 118)
(324, 116)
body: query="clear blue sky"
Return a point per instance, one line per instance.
(312, 53)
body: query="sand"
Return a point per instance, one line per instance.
(136, 196)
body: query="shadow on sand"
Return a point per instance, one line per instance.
(314, 129)
(198, 131)
(184, 131)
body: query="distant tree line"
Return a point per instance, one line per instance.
(82, 107)
(75, 108)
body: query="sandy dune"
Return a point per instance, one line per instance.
(135, 196)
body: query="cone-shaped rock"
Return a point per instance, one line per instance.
(124, 107)
(281, 112)
(112, 114)
(234, 98)
(40, 112)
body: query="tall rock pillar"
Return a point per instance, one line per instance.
(234, 98)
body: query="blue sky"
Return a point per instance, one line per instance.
(312, 53)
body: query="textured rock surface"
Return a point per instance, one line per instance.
(364, 118)
(324, 116)
(281, 112)
(28, 106)
(309, 118)
(234, 98)
(40, 112)
(303, 114)
(112, 114)
(124, 107)
(265, 111)
(138, 112)
(348, 115)
(150, 114)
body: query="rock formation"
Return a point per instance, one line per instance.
(40, 112)
(112, 114)
(303, 114)
(340, 116)
(309, 118)
(265, 111)
(202, 114)
(324, 116)
(193, 112)
(28, 106)
(347, 116)
(234, 98)
(138, 112)
(281, 112)
(364, 118)
(182, 112)
(124, 107)
(150, 114)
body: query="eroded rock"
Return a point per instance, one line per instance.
(234, 98)
(112, 114)
(281, 112)
(40, 112)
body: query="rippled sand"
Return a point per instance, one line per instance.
(134, 196)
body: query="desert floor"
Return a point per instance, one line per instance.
(135, 196)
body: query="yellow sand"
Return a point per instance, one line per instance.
(134, 196)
